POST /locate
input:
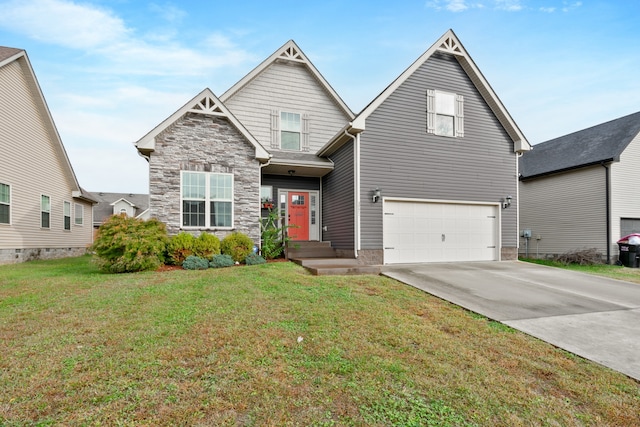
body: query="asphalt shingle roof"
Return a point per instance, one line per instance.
(6, 52)
(601, 143)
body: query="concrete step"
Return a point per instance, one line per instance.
(315, 262)
(310, 249)
(355, 270)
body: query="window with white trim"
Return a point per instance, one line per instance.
(5, 204)
(445, 113)
(66, 208)
(45, 211)
(290, 131)
(79, 214)
(207, 199)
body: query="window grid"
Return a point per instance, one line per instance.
(79, 214)
(5, 204)
(207, 199)
(290, 131)
(67, 215)
(45, 211)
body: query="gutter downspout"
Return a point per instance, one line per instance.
(356, 183)
(608, 207)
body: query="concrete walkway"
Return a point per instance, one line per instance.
(593, 317)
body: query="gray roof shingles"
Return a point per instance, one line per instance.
(601, 143)
(6, 52)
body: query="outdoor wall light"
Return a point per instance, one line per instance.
(506, 202)
(376, 195)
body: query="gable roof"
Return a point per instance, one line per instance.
(450, 44)
(9, 55)
(598, 144)
(104, 208)
(288, 52)
(203, 103)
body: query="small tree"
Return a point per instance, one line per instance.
(124, 244)
(274, 238)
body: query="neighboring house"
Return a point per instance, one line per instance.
(43, 211)
(420, 175)
(132, 205)
(580, 190)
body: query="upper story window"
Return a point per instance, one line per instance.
(79, 214)
(445, 113)
(207, 199)
(67, 215)
(45, 211)
(290, 131)
(5, 203)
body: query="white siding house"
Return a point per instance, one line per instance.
(580, 191)
(43, 211)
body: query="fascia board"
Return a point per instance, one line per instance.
(147, 142)
(25, 65)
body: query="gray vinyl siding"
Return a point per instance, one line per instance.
(287, 87)
(567, 211)
(34, 164)
(338, 200)
(400, 158)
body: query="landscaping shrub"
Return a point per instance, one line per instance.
(237, 245)
(180, 247)
(124, 244)
(193, 262)
(220, 261)
(254, 259)
(589, 256)
(273, 237)
(206, 246)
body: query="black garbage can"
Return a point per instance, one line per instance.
(628, 254)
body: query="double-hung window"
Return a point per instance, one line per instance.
(67, 215)
(290, 131)
(207, 199)
(5, 204)
(79, 214)
(45, 211)
(445, 113)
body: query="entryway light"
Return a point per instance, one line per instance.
(376, 195)
(506, 202)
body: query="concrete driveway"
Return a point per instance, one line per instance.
(594, 317)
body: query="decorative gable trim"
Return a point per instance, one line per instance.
(288, 52)
(449, 43)
(204, 103)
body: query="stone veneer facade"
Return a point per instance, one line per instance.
(202, 143)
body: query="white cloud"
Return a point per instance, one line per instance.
(547, 9)
(456, 5)
(568, 7)
(508, 5)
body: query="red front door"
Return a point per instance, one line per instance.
(298, 206)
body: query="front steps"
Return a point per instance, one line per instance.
(320, 259)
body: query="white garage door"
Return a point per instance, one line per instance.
(439, 232)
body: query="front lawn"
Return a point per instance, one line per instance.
(271, 345)
(612, 271)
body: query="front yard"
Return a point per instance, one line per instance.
(273, 345)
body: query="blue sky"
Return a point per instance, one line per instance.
(112, 70)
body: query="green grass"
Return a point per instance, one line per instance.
(612, 271)
(270, 345)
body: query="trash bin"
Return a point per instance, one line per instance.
(629, 251)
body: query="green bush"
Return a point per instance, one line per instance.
(274, 238)
(194, 262)
(237, 245)
(206, 246)
(180, 247)
(124, 244)
(220, 261)
(254, 259)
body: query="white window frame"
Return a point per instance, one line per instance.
(435, 111)
(78, 219)
(45, 210)
(208, 200)
(7, 203)
(66, 213)
(291, 129)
